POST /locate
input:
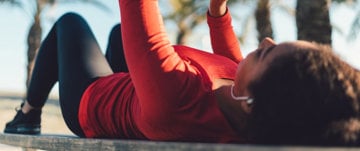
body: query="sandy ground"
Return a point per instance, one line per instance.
(52, 121)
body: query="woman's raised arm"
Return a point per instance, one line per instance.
(223, 39)
(156, 69)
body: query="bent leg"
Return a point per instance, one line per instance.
(70, 55)
(115, 51)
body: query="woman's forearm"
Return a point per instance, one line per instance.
(223, 39)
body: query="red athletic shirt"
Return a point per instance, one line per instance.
(167, 94)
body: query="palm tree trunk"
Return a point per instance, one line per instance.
(33, 41)
(263, 23)
(182, 36)
(313, 21)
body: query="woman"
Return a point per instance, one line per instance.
(177, 93)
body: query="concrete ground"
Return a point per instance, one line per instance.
(52, 121)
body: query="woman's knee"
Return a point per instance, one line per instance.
(116, 31)
(71, 19)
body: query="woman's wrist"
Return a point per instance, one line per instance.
(217, 8)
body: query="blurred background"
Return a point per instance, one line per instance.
(19, 18)
(24, 23)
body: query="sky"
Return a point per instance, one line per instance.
(15, 23)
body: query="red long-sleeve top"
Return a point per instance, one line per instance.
(167, 94)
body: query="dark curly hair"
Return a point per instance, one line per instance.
(309, 97)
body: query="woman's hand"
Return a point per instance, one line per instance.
(217, 8)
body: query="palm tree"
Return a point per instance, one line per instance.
(313, 21)
(35, 31)
(189, 14)
(263, 23)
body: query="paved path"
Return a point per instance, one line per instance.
(9, 148)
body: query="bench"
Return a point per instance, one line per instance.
(65, 142)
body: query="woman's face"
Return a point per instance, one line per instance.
(257, 61)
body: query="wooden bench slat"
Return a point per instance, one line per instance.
(59, 142)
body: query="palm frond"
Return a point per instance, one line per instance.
(12, 2)
(337, 29)
(344, 1)
(8, 1)
(355, 28)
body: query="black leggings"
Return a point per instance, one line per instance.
(71, 55)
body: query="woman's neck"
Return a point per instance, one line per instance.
(232, 109)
